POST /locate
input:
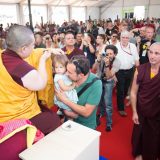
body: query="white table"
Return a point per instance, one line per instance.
(70, 141)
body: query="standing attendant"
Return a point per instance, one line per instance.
(145, 100)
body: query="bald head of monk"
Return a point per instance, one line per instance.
(20, 39)
(154, 53)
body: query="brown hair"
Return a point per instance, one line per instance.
(82, 64)
(102, 36)
(59, 58)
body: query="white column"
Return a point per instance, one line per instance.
(148, 8)
(49, 13)
(86, 13)
(20, 15)
(69, 12)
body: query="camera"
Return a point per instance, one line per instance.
(136, 34)
(85, 34)
(103, 54)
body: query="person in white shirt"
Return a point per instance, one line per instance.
(114, 39)
(129, 58)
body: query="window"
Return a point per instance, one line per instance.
(38, 13)
(8, 14)
(139, 12)
(59, 14)
(78, 14)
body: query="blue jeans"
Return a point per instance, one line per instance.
(106, 101)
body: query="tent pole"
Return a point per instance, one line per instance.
(30, 15)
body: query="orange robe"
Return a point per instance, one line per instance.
(46, 95)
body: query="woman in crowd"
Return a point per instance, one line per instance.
(89, 47)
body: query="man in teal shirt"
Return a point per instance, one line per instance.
(78, 70)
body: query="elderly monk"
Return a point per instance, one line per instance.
(21, 78)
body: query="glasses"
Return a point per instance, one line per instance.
(114, 36)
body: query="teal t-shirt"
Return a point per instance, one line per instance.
(90, 96)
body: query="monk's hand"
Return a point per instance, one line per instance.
(135, 118)
(61, 96)
(46, 54)
(57, 51)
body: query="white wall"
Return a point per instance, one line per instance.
(154, 11)
(111, 12)
(93, 12)
(152, 8)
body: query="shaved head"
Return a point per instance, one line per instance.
(19, 36)
(154, 54)
(155, 44)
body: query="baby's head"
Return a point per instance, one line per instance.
(59, 63)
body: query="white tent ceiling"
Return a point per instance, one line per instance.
(98, 3)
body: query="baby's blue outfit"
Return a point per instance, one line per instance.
(71, 95)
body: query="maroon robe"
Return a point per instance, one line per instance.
(149, 92)
(15, 65)
(75, 52)
(146, 135)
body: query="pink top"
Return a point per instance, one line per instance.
(8, 127)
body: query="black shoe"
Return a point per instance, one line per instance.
(109, 128)
(98, 120)
(123, 113)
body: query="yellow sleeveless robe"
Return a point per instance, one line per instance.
(16, 101)
(47, 94)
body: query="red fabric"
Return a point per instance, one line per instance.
(10, 149)
(46, 121)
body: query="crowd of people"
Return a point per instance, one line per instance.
(83, 62)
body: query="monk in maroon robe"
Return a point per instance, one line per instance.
(70, 48)
(20, 43)
(145, 99)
